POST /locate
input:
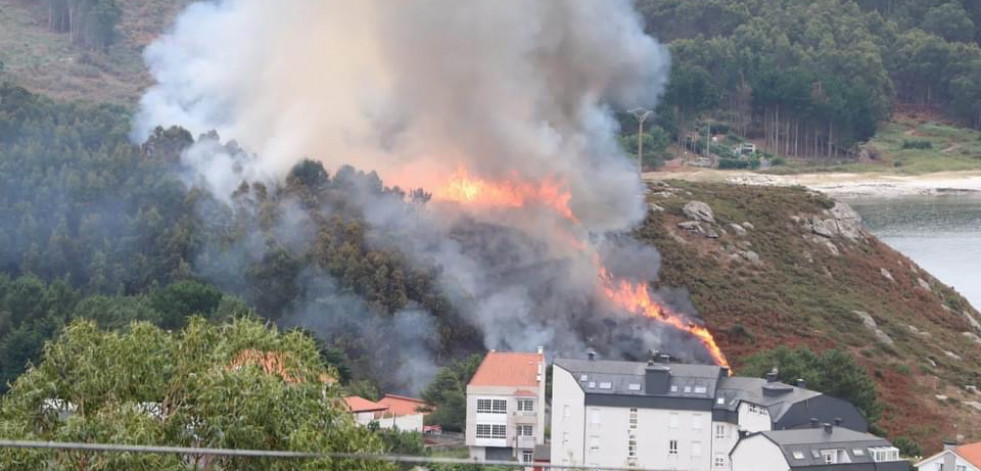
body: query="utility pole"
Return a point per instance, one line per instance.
(641, 114)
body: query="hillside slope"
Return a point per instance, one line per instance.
(47, 62)
(797, 272)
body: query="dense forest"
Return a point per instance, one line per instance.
(814, 79)
(111, 223)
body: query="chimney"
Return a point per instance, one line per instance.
(591, 354)
(815, 423)
(771, 377)
(950, 444)
(541, 350)
(664, 358)
(801, 383)
(657, 379)
(724, 372)
(828, 428)
(838, 421)
(652, 358)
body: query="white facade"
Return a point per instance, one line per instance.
(758, 453)
(506, 421)
(407, 423)
(640, 437)
(364, 418)
(946, 460)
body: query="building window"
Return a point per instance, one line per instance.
(594, 416)
(632, 447)
(492, 406)
(720, 431)
(696, 449)
(696, 422)
(525, 430)
(499, 431)
(701, 389)
(594, 444)
(527, 456)
(687, 389)
(674, 388)
(565, 411)
(633, 419)
(720, 460)
(885, 454)
(830, 456)
(483, 431)
(673, 447)
(526, 405)
(673, 420)
(940, 467)
(961, 467)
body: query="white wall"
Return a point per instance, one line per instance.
(408, 423)
(568, 417)
(758, 421)
(722, 444)
(930, 464)
(758, 453)
(364, 418)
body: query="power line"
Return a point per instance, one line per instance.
(160, 450)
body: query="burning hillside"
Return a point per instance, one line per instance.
(503, 114)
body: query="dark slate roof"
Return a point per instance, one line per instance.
(628, 378)
(810, 441)
(777, 397)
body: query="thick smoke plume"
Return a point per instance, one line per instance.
(504, 90)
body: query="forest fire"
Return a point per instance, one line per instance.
(464, 189)
(634, 298)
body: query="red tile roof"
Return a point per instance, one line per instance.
(401, 405)
(971, 453)
(359, 404)
(509, 369)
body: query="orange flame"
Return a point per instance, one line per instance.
(464, 189)
(636, 298)
(632, 297)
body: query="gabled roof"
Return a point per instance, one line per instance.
(971, 453)
(740, 388)
(509, 369)
(802, 447)
(358, 404)
(401, 405)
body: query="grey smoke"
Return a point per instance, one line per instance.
(508, 89)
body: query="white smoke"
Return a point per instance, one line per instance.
(503, 87)
(508, 89)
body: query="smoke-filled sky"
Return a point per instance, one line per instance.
(501, 86)
(509, 90)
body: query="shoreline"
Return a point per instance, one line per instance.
(841, 184)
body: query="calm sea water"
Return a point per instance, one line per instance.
(940, 233)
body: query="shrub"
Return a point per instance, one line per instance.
(907, 447)
(917, 144)
(733, 164)
(777, 161)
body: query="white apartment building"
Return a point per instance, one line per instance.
(506, 407)
(663, 415)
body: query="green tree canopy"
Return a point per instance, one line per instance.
(237, 385)
(833, 372)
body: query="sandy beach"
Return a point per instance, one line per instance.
(841, 184)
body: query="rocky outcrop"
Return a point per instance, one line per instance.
(739, 230)
(887, 275)
(699, 211)
(840, 220)
(696, 227)
(870, 324)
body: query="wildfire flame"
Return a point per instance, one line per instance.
(634, 298)
(464, 189)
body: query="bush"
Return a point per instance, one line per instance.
(733, 164)
(907, 447)
(917, 144)
(777, 161)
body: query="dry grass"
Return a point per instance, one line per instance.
(47, 62)
(802, 294)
